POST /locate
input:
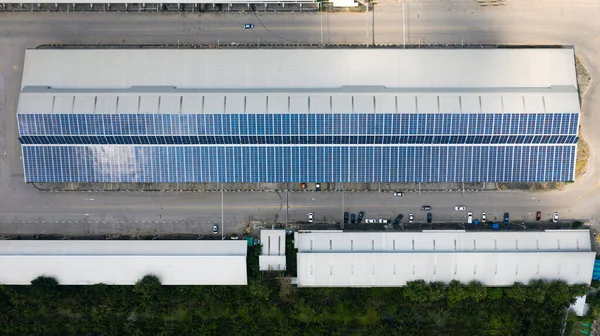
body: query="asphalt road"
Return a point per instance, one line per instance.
(24, 209)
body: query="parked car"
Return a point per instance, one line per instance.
(555, 217)
(460, 208)
(483, 217)
(303, 185)
(538, 216)
(310, 217)
(469, 217)
(248, 26)
(429, 217)
(352, 218)
(215, 229)
(318, 187)
(235, 237)
(360, 217)
(370, 221)
(411, 218)
(398, 194)
(398, 219)
(494, 226)
(506, 218)
(426, 207)
(383, 221)
(346, 217)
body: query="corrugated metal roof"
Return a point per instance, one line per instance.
(273, 250)
(281, 68)
(74, 262)
(440, 241)
(551, 100)
(395, 269)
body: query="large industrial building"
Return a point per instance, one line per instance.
(306, 115)
(386, 259)
(123, 262)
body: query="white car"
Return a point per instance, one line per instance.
(483, 217)
(383, 221)
(398, 194)
(460, 208)
(411, 217)
(310, 217)
(215, 229)
(555, 217)
(469, 217)
(370, 221)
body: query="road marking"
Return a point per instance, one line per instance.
(589, 191)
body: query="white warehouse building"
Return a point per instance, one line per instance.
(123, 262)
(385, 259)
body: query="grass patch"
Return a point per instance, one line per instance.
(535, 186)
(583, 154)
(584, 79)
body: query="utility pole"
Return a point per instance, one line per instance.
(222, 215)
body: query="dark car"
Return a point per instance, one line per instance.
(538, 216)
(345, 217)
(248, 26)
(352, 218)
(360, 217)
(506, 218)
(429, 217)
(318, 187)
(398, 219)
(426, 207)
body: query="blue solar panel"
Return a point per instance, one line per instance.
(298, 164)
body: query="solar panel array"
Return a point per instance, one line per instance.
(380, 147)
(523, 163)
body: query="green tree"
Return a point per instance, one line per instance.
(436, 291)
(416, 291)
(517, 292)
(495, 293)
(456, 292)
(476, 291)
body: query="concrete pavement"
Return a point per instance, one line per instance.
(23, 209)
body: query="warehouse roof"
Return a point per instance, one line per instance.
(158, 100)
(299, 68)
(364, 269)
(440, 241)
(74, 262)
(273, 250)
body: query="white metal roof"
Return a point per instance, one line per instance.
(547, 100)
(440, 241)
(300, 68)
(123, 262)
(273, 250)
(395, 269)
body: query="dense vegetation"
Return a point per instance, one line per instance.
(270, 305)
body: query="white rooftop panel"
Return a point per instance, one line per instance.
(276, 68)
(128, 104)
(235, 104)
(535, 104)
(514, 104)
(278, 103)
(407, 104)
(192, 104)
(31, 103)
(271, 263)
(256, 104)
(491, 104)
(170, 104)
(320, 104)
(449, 104)
(560, 241)
(106, 105)
(427, 104)
(563, 102)
(214, 104)
(341, 104)
(273, 242)
(471, 104)
(84, 104)
(395, 269)
(124, 262)
(63, 104)
(364, 104)
(385, 103)
(148, 105)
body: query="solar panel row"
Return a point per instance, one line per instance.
(298, 124)
(178, 164)
(300, 140)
